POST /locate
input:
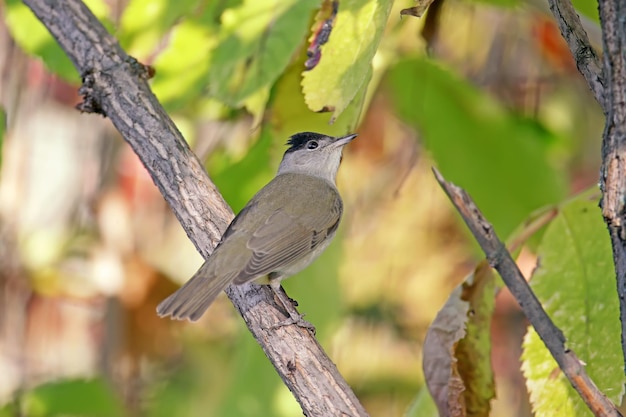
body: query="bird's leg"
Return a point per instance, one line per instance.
(289, 305)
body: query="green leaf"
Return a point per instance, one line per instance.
(345, 66)
(257, 42)
(588, 8)
(91, 398)
(289, 113)
(9, 409)
(575, 281)
(144, 23)
(502, 160)
(182, 67)
(32, 36)
(239, 181)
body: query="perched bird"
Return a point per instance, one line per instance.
(281, 230)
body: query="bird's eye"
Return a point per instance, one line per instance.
(312, 145)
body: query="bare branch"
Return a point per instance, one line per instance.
(613, 173)
(114, 85)
(500, 259)
(586, 58)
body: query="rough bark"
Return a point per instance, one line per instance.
(607, 80)
(115, 85)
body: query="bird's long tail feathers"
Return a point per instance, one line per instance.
(195, 297)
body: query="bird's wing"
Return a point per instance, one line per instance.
(285, 238)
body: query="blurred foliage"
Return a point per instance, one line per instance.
(463, 128)
(35, 39)
(72, 397)
(484, 89)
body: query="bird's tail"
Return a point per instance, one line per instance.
(195, 297)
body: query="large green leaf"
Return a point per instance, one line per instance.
(85, 398)
(345, 66)
(575, 281)
(257, 41)
(502, 160)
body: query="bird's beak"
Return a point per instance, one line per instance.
(339, 142)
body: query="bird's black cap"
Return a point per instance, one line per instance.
(298, 140)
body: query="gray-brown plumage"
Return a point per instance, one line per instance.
(281, 230)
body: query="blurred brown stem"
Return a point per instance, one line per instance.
(115, 85)
(586, 58)
(608, 84)
(500, 259)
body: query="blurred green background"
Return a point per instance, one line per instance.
(484, 90)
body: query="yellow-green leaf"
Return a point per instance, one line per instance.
(575, 281)
(345, 66)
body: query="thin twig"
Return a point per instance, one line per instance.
(587, 61)
(500, 259)
(114, 85)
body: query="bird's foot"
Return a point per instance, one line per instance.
(297, 320)
(289, 304)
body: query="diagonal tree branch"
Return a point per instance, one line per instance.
(114, 85)
(500, 259)
(587, 61)
(608, 83)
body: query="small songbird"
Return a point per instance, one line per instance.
(285, 226)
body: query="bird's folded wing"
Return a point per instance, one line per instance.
(283, 240)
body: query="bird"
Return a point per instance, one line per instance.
(278, 233)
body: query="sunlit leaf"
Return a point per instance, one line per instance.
(257, 41)
(144, 22)
(289, 113)
(575, 281)
(502, 160)
(182, 67)
(345, 65)
(89, 398)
